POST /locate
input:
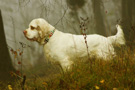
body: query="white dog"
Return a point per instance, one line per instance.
(65, 47)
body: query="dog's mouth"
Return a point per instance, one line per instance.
(31, 39)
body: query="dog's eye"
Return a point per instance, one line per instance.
(32, 27)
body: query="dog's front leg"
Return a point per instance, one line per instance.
(66, 64)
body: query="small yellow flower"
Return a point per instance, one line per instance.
(115, 89)
(96, 87)
(102, 81)
(44, 83)
(9, 87)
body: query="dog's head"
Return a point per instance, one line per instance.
(37, 30)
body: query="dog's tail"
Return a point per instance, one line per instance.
(118, 39)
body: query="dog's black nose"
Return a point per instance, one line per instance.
(24, 31)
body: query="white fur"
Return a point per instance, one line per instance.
(65, 47)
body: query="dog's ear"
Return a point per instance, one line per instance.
(41, 34)
(40, 31)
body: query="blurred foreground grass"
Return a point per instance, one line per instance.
(116, 74)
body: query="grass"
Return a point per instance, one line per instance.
(116, 74)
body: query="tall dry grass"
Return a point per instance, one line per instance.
(118, 74)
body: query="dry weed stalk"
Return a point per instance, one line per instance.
(19, 53)
(83, 32)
